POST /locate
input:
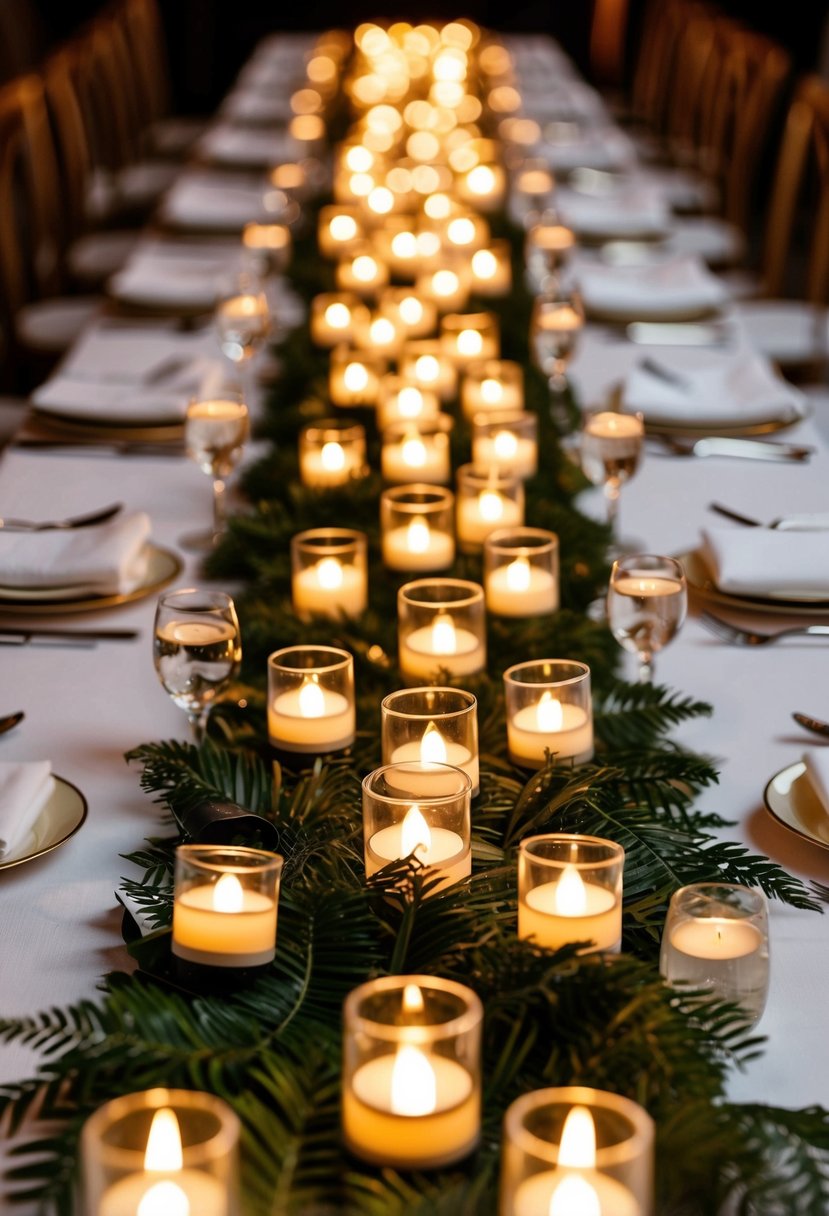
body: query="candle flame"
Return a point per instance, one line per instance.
(358, 159)
(470, 342)
(570, 900)
(404, 245)
(505, 444)
(492, 391)
(574, 1196)
(443, 634)
(227, 894)
(364, 268)
(518, 574)
(484, 264)
(415, 836)
(381, 200)
(549, 714)
(481, 180)
(338, 316)
(411, 309)
(311, 700)
(427, 368)
(412, 999)
(164, 1199)
(490, 506)
(413, 1084)
(382, 331)
(344, 227)
(445, 282)
(578, 1140)
(418, 535)
(432, 746)
(461, 231)
(410, 401)
(355, 377)
(413, 452)
(330, 574)
(332, 457)
(428, 244)
(163, 1153)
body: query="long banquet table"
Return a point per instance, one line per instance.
(86, 708)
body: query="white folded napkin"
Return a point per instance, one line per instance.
(630, 209)
(165, 273)
(663, 290)
(104, 559)
(740, 388)
(245, 106)
(569, 146)
(214, 201)
(229, 145)
(161, 402)
(572, 99)
(768, 562)
(817, 771)
(25, 789)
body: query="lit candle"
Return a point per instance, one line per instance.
(509, 446)
(495, 384)
(311, 719)
(269, 244)
(444, 645)
(491, 270)
(416, 456)
(554, 914)
(224, 924)
(447, 287)
(403, 402)
(440, 849)
(338, 230)
(416, 546)
(334, 318)
(467, 338)
(354, 379)
(332, 464)
(362, 272)
(483, 512)
(424, 364)
(330, 588)
(521, 588)
(416, 317)
(434, 748)
(560, 727)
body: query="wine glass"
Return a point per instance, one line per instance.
(647, 599)
(242, 322)
(215, 431)
(197, 649)
(610, 449)
(557, 320)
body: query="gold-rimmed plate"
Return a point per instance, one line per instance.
(701, 583)
(626, 316)
(162, 567)
(62, 816)
(791, 799)
(131, 430)
(784, 417)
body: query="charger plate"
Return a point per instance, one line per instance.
(162, 567)
(792, 801)
(62, 425)
(701, 584)
(700, 430)
(62, 816)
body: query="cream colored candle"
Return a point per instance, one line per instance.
(609, 425)
(491, 270)
(338, 230)
(564, 729)
(441, 644)
(519, 588)
(224, 925)
(402, 402)
(332, 464)
(418, 318)
(332, 321)
(425, 365)
(363, 273)
(330, 588)
(417, 547)
(480, 514)
(506, 452)
(434, 748)
(417, 457)
(491, 389)
(555, 914)
(311, 719)
(353, 381)
(440, 849)
(717, 938)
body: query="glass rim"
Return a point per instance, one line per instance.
(637, 1144)
(333, 426)
(707, 890)
(489, 369)
(394, 497)
(468, 320)
(511, 676)
(462, 1023)
(225, 600)
(594, 411)
(617, 851)
(335, 540)
(231, 395)
(388, 709)
(277, 659)
(474, 593)
(344, 354)
(403, 428)
(259, 861)
(222, 1142)
(478, 477)
(482, 419)
(420, 766)
(512, 540)
(627, 564)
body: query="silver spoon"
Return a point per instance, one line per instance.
(100, 516)
(10, 721)
(813, 724)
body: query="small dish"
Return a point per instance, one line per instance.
(62, 816)
(791, 799)
(701, 584)
(162, 567)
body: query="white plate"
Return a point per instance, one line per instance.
(162, 567)
(61, 817)
(791, 799)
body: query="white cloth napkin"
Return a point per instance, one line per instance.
(569, 146)
(229, 145)
(817, 770)
(245, 106)
(741, 388)
(172, 274)
(663, 290)
(768, 562)
(24, 791)
(214, 201)
(570, 100)
(630, 209)
(104, 559)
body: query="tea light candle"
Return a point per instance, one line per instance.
(362, 272)
(521, 589)
(315, 712)
(331, 454)
(417, 318)
(329, 574)
(354, 378)
(417, 453)
(335, 317)
(548, 709)
(485, 502)
(483, 187)
(506, 442)
(570, 890)
(441, 644)
(417, 532)
(441, 625)
(424, 363)
(242, 310)
(434, 748)
(338, 230)
(163, 1188)
(379, 333)
(492, 385)
(447, 287)
(468, 338)
(400, 401)
(616, 427)
(491, 270)
(715, 939)
(436, 848)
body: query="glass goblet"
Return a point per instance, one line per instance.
(610, 450)
(647, 599)
(197, 649)
(215, 432)
(557, 320)
(242, 322)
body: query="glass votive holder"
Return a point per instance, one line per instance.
(411, 1080)
(354, 377)
(339, 229)
(417, 528)
(329, 573)
(417, 318)
(491, 270)
(332, 453)
(378, 333)
(521, 572)
(441, 626)
(362, 271)
(417, 451)
(447, 287)
(507, 442)
(269, 247)
(425, 364)
(492, 384)
(401, 401)
(311, 699)
(334, 316)
(572, 1151)
(224, 910)
(570, 890)
(486, 500)
(161, 1151)
(431, 725)
(483, 187)
(468, 337)
(420, 809)
(464, 231)
(716, 940)
(395, 242)
(549, 708)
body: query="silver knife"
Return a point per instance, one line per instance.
(720, 445)
(679, 333)
(64, 637)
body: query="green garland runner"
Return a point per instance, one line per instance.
(273, 1052)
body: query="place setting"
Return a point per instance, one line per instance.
(39, 811)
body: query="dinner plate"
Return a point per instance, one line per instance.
(791, 799)
(626, 316)
(162, 567)
(700, 583)
(62, 816)
(137, 430)
(729, 430)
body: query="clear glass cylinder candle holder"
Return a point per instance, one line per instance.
(485, 501)
(339, 229)
(335, 316)
(491, 270)
(225, 904)
(329, 573)
(380, 334)
(126, 1169)
(468, 337)
(570, 890)
(421, 810)
(576, 1150)
(401, 401)
(268, 246)
(506, 442)
(411, 1080)
(354, 377)
(395, 240)
(362, 271)
(311, 699)
(424, 363)
(417, 451)
(492, 385)
(716, 940)
(447, 286)
(484, 187)
(417, 524)
(464, 231)
(441, 626)
(417, 317)
(432, 725)
(521, 572)
(332, 453)
(549, 708)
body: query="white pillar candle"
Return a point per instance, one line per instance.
(519, 588)
(417, 547)
(224, 924)
(480, 514)
(330, 588)
(441, 849)
(566, 730)
(443, 645)
(555, 914)
(311, 719)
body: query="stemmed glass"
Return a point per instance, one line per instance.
(215, 431)
(197, 649)
(610, 450)
(242, 322)
(647, 599)
(556, 322)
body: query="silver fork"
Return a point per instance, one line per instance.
(747, 637)
(7, 524)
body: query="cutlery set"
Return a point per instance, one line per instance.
(721, 445)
